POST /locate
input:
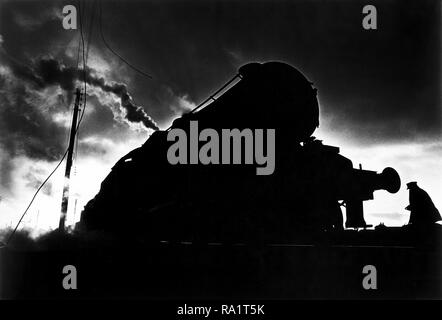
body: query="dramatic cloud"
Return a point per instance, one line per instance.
(35, 177)
(31, 20)
(49, 71)
(6, 167)
(26, 129)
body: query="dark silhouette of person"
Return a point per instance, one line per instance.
(423, 211)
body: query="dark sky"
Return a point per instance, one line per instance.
(388, 77)
(374, 87)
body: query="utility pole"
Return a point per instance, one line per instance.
(67, 175)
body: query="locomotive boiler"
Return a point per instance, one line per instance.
(146, 194)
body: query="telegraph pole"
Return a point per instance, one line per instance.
(67, 175)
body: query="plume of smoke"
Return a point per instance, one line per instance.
(49, 71)
(134, 113)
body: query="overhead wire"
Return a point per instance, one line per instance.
(113, 51)
(33, 198)
(84, 71)
(11, 235)
(85, 59)
(91, 26)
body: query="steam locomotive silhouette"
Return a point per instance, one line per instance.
(144, 194)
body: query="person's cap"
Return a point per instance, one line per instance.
(411, 184)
